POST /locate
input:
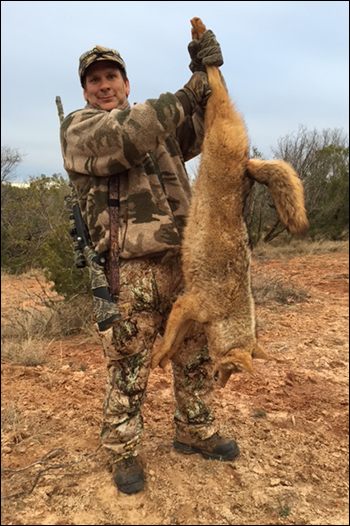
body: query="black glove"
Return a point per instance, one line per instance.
(195, 93)
(205, 51)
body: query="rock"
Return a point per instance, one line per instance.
(227, 514)
(259, 497)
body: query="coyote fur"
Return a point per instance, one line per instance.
(216, 254)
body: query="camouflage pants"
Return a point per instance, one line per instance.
(148, 290)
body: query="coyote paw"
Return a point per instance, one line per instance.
(160, 359)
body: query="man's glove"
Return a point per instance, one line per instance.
(195, 93)
(205, 51)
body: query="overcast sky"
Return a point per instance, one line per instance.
(286, 64)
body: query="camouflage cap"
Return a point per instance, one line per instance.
(99, 53)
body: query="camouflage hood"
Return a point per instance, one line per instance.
(146, 146)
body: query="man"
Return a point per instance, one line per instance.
(145, 147)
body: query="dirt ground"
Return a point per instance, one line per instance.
(290, 421)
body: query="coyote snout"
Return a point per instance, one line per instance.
(216, 254)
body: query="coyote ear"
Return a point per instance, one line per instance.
(242, 360)
(222, 376)
(259, 352)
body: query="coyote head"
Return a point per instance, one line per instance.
(236, 360)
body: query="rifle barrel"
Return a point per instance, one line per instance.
(60, 108)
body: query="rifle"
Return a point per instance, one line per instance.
(105, 307)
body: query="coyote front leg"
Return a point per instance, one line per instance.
(185, 311)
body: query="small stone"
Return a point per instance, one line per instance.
(275, 482)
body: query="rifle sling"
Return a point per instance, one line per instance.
(114, 227)
(113, 202)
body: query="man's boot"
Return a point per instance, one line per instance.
(214, 447)
(128, 475)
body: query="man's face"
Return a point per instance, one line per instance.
(105, 87)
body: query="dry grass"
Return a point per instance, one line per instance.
(26, 332)
(18, 425)
(267, 288)
(12, 420)
(297, 247)
(34, 273)
(27, 352)
(55, 321)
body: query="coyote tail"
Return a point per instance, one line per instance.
(286, 189)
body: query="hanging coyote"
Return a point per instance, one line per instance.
(216, 254)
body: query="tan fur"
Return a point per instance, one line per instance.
(216, 254)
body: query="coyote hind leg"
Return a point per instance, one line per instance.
(198, 28)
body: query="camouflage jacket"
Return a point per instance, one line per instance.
(146, 146)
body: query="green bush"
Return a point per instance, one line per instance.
(35, 233)
(57, 259)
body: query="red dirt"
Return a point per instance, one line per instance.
(290, 421)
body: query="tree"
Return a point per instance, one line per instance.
(29, 214)
(322, 161)
(10, 159)
(258, 207)
(35, 234)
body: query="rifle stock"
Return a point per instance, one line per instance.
(105, 308)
